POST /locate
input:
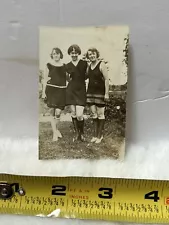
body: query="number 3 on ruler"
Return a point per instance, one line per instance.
(107, 194)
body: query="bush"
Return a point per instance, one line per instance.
(116, 107)
(116, 110)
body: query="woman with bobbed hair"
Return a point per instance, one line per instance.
(54, 90)
(76, 89)
(97, 93)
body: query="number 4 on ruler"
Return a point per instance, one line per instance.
(152, 195)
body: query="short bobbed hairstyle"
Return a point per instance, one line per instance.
(74, 47)
(93, 50)
(58, 51)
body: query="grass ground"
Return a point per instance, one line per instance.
(65, 148)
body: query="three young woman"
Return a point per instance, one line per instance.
(74, 95)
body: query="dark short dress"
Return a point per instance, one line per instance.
(76, 89)
(96, 86)
(56, 87)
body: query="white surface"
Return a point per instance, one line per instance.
(147, 121)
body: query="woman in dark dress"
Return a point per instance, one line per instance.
(55, 89)
(97, 93)
(76, 89)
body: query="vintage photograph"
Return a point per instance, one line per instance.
(83, 74)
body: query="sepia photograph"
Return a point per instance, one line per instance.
(83, 74)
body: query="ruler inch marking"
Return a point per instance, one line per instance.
(127, 203)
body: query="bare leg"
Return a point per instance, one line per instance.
(95, 122)
(57, 116)
(53, 125)
(74, 121)
(73, 111)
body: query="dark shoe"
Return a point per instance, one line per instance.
(100, 128)
(81, 129)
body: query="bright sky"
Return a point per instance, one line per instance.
(108, 40)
